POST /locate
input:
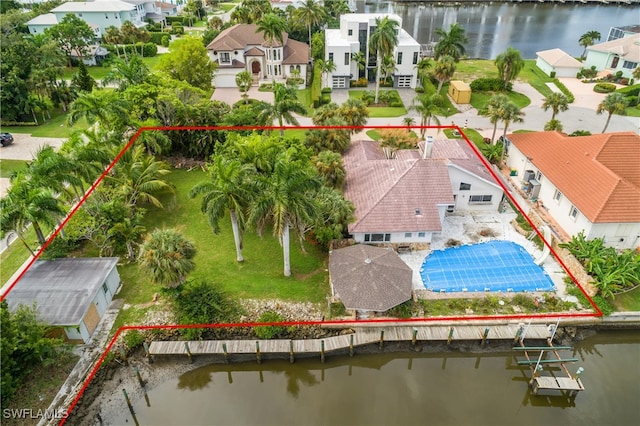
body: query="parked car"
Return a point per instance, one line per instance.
(5, 139)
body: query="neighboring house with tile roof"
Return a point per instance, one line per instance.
(353, 36)
(586, 183)
(404, 199)
(621, 54)
(241, 48)
(558, 62)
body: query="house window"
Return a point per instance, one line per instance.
(480, 199)
(105, 289)
(106, 16)
(630, 65)
(346, 58)
(557, 196)
(399, 61)
(573, 213)
(421, 234)
(465, 186)
(415, 58)
(408, 234)
(225, 57)
(331, 56)
(377, 238)
(291, 68)
(80, 15)
(350, 32)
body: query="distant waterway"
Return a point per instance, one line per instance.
(492, 27)
(404, 388)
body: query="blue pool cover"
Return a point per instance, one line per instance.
(490, 266)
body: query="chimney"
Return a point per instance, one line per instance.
(428, 147)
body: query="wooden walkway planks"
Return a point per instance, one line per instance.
(362, 336)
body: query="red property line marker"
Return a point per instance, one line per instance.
(598, 312)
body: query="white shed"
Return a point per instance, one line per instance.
(558, 61)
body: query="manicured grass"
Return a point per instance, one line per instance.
(479, 100)
(200, 24)
(304, 96)
(15, 255)
(472, 134)
(296, 133)
(375, 135)
(8, 167)
(379, 112)
(259, 276)
(54, 128)
(632, 111)
(535, 77)
(226, 6)
(629, 301)
(100, 72)
(470, 69)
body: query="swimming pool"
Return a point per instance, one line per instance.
(490, 266)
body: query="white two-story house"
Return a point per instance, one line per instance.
(353, 36)
(243, 48)
(588, 184)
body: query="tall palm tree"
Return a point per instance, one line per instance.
(557, 102)
(443, 70)
(285, 102)
(423, 66)
(228, 189)
(588, 39)
(103, 106)
(359, 59)
(312, 13)
(138, 178)
(509, 65)
(128, 230)
(86, 151)
(383, 41)
(272, 26)
(52, 170)
(286, 199)
(614, 103)
(511, 113)
(325, 67)
(427, 106)
(451, 42)
(494, 111)
(168, 257)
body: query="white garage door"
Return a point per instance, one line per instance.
(404, 81)
(339, 82)
(225, 80)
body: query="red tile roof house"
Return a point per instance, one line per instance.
(404, 200)
(586, 183)
(241, 48)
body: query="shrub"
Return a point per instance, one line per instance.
(630, 91)
(133, 339)
(618, 74)
(588, 72)
(325, 90)
(581, 133)
(18, 123)
(632, 100)
(397, 138)
(564, 90)
(604, 87)
(266, 87)
(325, 99)
(361, 82)
(552, 74)
(59, 248)
(419, 89)
(156, 37)
(269, 331)
(396, 104)
(486, 84)
(403, 310)
(624, 81)
(165, 40)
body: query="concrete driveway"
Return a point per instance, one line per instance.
(584, 95)
(231, 95)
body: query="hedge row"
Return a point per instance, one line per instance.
(630, 91)
(18, 123)
(316, 85)
(564, 90)
(150, 49)
(487, 84)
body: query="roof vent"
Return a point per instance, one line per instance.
(367, 261)
(418, 212)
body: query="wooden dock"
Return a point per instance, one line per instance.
(361, 336)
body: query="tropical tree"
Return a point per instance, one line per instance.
(82, 80)
(423, 67)
(355, 114)
(325, 67)
(156, 142)
(451, 43)
(383, 41)
(427, 106)
(330, 167)
(312, 14)
(494, 110)
(388, 67)
(359, 59)
(588, 39)
(285, 103)
(553, 125)
(112, 36)
(556, 102)
(511, 113)
(244, 81)
(52, 170)
(509, 65)
(272, 26)
(73, 34)
(188, 61)
(168, 257)
(139, 178)
(103, 106)
(126, 74)
(409, 121)
(614, 103)
(128, 231)
(228, 189)
(331, 139)
(286, 200)
(443, 70)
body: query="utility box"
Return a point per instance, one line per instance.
(460, 92)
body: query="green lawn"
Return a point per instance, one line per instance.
(14, 256)
(259, 276)
(379, 112)
(632, 111)
(375, 134)
(8, 167)
(629, 301)
(480, 99)
(99, 72)
(304, 96)
(226, 6)
(54, 128)
(472, 134)
(535, 77)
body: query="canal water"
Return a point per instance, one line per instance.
(404, 388)
(492, 27)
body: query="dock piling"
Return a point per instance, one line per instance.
(450, 338)
(291, 351)
(147, 354)
(484, 336)
(414, 336)
(226, 354)
(322, 351)
(139, 377)
(381, 338)
(126, 398)
(258, 355)
(186, 345)
(518, 334)
(351, 345)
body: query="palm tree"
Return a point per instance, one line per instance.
(168, 257)
(127, 74)
(359, 59)
(614, 103)
(423, 66)
(325, 68)
(286, 199)
(494, 111)
(312, 14)
(383, 41)
(138, 178)
(444, 70)
(409, 121)
(128, 230)
(588, 39)
(244, 81)
(511, 113)
(52, 170)
(557, 102)
(272, 26)
(330, 167)
(509, 65)
(228, 189)
(451, 43)
(355, 113)
(86, 151)
(112, 36)
(103, 106)
(553, 124)
(428, 106)
(285, 102)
